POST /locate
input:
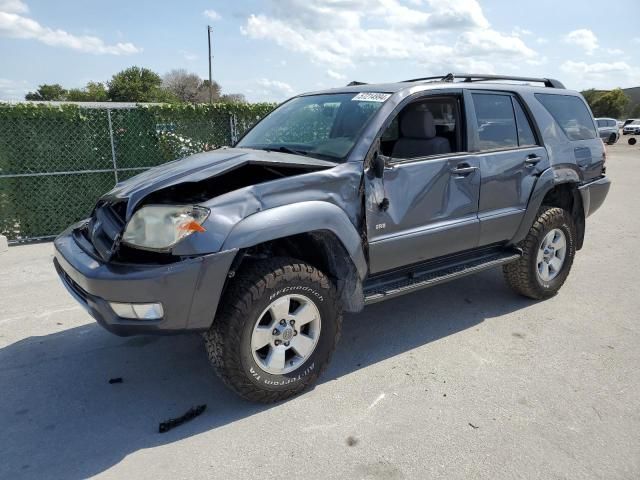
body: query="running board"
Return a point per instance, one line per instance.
(418, 279)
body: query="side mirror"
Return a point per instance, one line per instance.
(377, 165)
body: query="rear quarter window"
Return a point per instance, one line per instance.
(571, 113)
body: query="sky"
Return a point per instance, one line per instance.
(270, 50)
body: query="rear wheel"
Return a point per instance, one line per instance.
(547, 255)
(277, 328)
(612, 139)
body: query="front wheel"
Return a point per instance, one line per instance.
(277, 328)
(547, 255)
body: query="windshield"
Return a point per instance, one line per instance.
(323, 126)
(635, 122)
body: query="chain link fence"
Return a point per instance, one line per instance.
(56, 160)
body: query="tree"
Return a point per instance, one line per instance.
(136, 84)
(203, 92)
(184, 85)
(610, 103)
(92, 92)
(48, 92)
(233, 98)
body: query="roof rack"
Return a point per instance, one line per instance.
(472, 77)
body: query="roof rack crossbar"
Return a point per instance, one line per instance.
(472, 77)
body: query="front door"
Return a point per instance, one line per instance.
(426, 204)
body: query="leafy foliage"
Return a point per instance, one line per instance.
(136, 84)
(72, 145)
(610, 103)
(140, 85)
(93, 92)
(48, 92)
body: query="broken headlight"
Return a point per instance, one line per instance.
(160, 227)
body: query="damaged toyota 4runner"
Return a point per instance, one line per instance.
(336, 200)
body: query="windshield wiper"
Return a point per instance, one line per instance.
(284, 149)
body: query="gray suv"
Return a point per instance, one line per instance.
(608, 130)
(336, 200)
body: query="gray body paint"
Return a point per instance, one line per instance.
(430, 214)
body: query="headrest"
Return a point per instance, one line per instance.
(417, 124)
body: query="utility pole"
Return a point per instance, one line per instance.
(209, 30)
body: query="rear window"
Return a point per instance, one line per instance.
(571, 113)
(496, 121)
(605, 123)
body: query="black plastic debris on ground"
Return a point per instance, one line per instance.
(174, 422)
(115, 380)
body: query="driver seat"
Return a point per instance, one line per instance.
(418, 136)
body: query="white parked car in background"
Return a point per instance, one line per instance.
(632, 127)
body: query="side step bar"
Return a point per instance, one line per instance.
(418, 279)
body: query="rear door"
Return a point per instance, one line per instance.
(510, 156)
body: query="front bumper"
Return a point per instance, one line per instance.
(593, 194)
(189, 290)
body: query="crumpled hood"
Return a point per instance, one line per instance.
(201, 166)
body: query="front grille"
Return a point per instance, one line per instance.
(105, 228)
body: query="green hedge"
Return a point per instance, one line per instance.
(42, 138)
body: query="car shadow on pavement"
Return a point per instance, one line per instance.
(60, 417)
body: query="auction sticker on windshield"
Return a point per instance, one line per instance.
(371, 97)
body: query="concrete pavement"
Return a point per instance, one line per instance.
(464, 380)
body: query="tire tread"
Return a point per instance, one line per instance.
(518, 274)
(223, 340)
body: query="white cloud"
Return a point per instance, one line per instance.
(456, 14)
(594, 69)
(602, 74)
(268, 90)
(17, 26)
(436, 34)
(583, 38)
(335, 75)
(212, 15)
(12, 89)
(520, 32)
(13, 6)
(490, 42)
(614, 51)
(189, 56)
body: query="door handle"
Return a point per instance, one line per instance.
(532, 160)
(463, 169)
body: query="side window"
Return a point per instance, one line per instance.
(526, 138)
(425, 127)
(571, 113)
(496, 121)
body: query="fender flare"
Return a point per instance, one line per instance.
(293, 219)
(549, 179)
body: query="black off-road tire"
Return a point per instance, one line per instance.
(255, 286)
(522, 275)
